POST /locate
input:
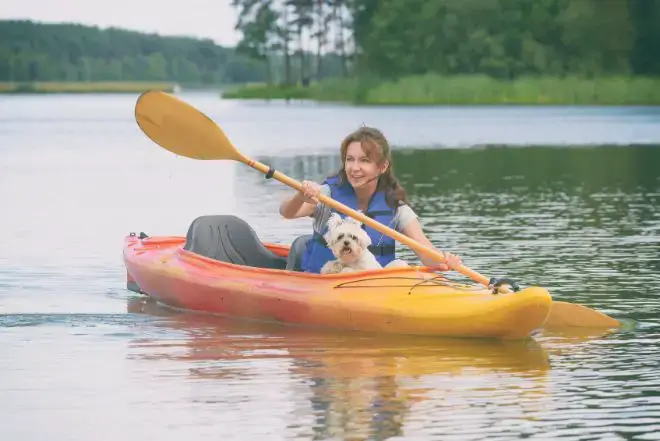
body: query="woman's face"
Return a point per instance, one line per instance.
(361, 170)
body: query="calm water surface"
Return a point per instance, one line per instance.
(567, 198)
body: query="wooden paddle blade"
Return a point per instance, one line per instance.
(181, 128)
(565, 315)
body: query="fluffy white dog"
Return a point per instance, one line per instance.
(349, 244)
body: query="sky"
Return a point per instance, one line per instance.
(214, 19)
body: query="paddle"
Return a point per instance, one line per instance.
(182, 129)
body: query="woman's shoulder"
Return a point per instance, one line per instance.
(404, 215)
(404, 208)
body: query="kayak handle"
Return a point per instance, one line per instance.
(495, 283)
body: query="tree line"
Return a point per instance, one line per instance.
(500, 38)
(292, 41)
(32, 51)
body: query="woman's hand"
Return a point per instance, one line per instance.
(452, 261)
(310, 192)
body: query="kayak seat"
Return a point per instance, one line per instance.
(230, 239)
(296, 252)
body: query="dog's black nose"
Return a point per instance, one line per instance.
(347, 243)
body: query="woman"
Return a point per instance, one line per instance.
(366, 183)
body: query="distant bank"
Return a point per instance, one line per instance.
(85, 87)
(412, 90)
(470, 89)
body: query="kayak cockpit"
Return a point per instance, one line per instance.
(230, 239)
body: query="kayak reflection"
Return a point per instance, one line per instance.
(355, 385)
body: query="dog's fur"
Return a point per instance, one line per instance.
(349, 244)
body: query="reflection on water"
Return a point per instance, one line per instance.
(350, 385)
(571, 384)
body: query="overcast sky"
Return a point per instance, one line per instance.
(212, 19)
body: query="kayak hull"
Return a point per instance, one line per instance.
(413, 300)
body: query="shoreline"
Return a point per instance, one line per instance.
(55, 87)
(433, 90)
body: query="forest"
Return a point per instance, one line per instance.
(374, 51)
(40, 52)
(498, 38)
(456, 51)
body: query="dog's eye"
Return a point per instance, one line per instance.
(353, 237)
(340, 237)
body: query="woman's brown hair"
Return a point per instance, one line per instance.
(377, 149)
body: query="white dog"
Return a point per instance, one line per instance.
(349, 244)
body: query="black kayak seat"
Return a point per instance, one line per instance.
(296, 252)
(228, 238)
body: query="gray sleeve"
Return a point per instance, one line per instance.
(322, 212)
(404, 215)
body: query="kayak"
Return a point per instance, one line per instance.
(222, 267)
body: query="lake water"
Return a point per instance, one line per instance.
(563, 197)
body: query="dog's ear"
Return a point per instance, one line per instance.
(328, 238)
(363, 237)
(334, 221)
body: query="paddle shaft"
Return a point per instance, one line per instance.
(479, 278)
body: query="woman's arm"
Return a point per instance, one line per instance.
(295, 206)
(301, 203)
(413, 230)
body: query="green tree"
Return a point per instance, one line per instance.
(32, 51)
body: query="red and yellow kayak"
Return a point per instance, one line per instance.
(411, 300)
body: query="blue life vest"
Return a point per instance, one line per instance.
(317, 253)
